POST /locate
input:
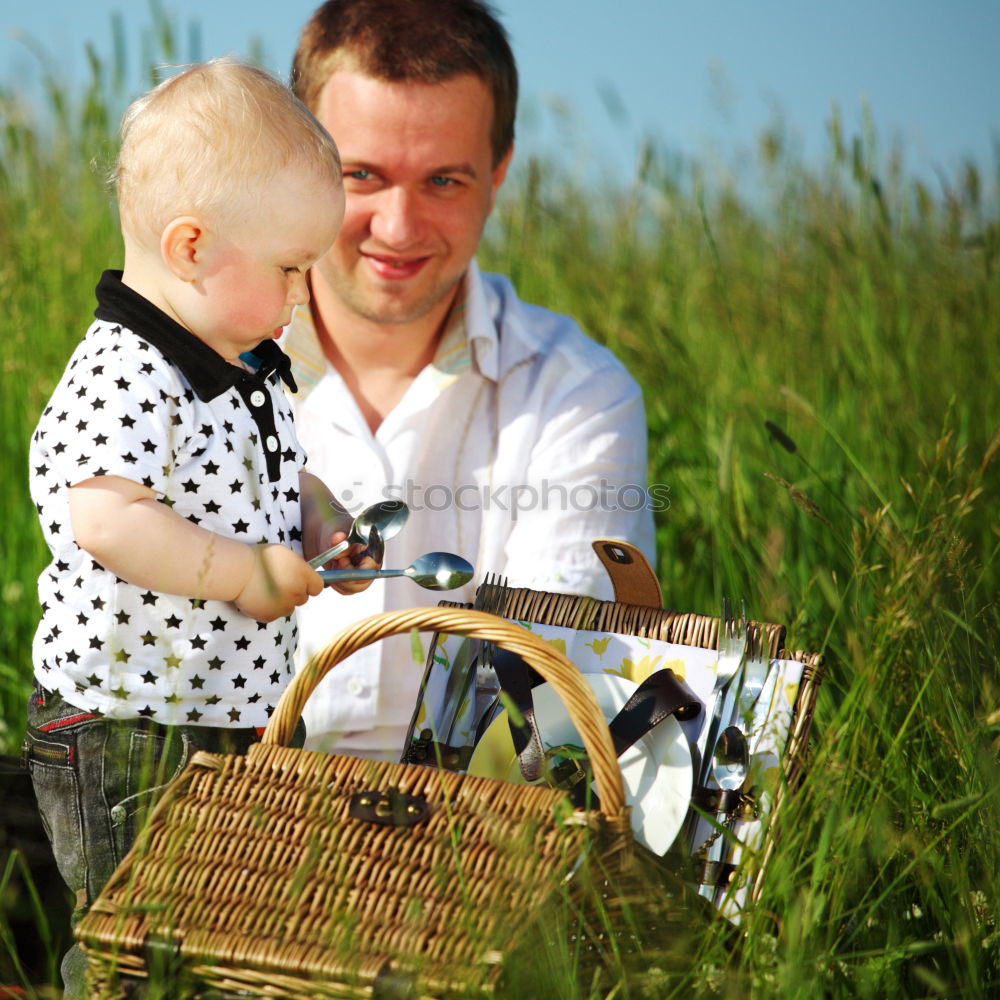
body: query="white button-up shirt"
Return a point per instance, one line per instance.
(521, 443)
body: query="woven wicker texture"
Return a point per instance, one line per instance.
(252, 874)
(591, 615)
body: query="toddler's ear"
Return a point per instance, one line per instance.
(181, 246)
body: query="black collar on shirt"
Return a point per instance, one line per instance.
(208, 372)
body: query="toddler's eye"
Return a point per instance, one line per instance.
(290, 270)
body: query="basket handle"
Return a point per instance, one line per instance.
(577, 696)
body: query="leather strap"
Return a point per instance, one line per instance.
(715, 800)
(714, 873)
(698, 869)
(426, 751)
(659, 695)
(515, 680)
(632, 578)
(739, 803)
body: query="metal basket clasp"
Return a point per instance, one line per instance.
(389, 808)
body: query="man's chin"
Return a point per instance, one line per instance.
(399, 306)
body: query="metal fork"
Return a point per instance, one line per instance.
(493, 599)
(732, 645)
(755, 669)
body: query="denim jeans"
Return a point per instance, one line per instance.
(95, 780)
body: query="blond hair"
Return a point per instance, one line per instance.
(203, 139)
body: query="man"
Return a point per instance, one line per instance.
(514, 439)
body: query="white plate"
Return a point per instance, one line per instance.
(656, 770)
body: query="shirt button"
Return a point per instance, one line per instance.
(257, 398)
(355, 687)
(117, 814)
(272, 443)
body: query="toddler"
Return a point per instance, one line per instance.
(165, 469)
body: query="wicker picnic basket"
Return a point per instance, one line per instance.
(651, 621)
(288, 873)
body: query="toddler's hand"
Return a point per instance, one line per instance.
(359, 557)
(327, 541)
(280, 581)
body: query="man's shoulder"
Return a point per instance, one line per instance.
(550, 336)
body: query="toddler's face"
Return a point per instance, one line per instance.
(254, 271)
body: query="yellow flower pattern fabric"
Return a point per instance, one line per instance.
(598, 645)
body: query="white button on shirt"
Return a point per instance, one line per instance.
(517, 446)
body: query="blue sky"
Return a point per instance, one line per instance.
(702, 78)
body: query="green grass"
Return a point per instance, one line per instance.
(820, 374)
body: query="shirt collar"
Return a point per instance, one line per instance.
(206, 370)
(453, 355)
(470, 337)
(480, 326)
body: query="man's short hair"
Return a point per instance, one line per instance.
(405, 41)
(203, 138)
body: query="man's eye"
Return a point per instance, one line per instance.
(359, 175)
(439, 181)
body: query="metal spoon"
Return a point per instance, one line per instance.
(433, 570)
(387, 516)
(731, 759)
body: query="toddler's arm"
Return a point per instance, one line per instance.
(132, 534)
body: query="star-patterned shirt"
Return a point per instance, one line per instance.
(144, 399)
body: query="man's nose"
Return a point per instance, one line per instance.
(396, 220)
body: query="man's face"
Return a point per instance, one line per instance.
(420, 183)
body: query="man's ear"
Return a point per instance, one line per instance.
(182, 246)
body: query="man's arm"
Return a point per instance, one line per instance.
(133, 535)
(325, 523)
(586, 479)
